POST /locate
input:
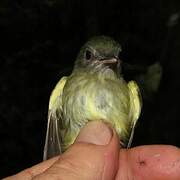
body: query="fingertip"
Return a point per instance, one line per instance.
(95, 132)
(155, 162)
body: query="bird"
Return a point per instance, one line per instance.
(94, 91)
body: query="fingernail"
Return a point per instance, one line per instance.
(95, 132)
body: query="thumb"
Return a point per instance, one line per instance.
(94, 155)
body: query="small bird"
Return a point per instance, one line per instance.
(95, 91)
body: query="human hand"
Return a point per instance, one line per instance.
(96, 155)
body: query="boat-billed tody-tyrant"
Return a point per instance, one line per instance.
(95, 91)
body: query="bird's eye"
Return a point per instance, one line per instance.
(88, 55)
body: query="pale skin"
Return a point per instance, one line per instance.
(96, 155)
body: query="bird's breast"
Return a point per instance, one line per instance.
(91, 98)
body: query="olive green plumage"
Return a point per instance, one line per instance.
(95, 90)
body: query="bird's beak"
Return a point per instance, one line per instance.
(111, 61)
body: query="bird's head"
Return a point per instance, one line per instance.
(99, 52)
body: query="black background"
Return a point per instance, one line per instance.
(39, 41)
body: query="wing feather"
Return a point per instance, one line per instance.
(53, 134)
(135, 107)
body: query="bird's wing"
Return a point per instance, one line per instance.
(135, 107)
(53, 138)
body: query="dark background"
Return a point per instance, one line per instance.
(39, 42)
